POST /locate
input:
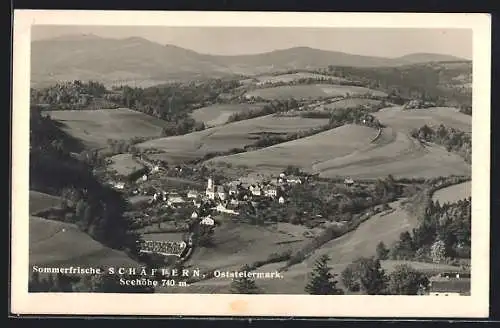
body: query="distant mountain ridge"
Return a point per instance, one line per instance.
(89, 56)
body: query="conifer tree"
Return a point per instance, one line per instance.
(244, 285)
(322, 281)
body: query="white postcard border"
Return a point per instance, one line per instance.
(476, 305)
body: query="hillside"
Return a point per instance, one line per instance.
(139, 60)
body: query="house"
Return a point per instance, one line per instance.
(223, 209)
(144, 177)
(270, 191)
(174, 199)
(207, 221)
(444, 286)
(118, 185)
(194, 215)
(281, 200)
(192, 194)
(155, 168)
(348, 182)
(197, 203)
(255, 190)
(296, 181)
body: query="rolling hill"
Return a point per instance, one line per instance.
(87, 57)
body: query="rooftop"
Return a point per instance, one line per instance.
(450, 285)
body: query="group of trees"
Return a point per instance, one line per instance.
(96, 208)
(444, 233)
(363, 276)
(71, 95)
(421, 81)
(453, 139)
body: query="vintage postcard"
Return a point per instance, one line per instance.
(251, 164)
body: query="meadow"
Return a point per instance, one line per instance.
(39, 201)
(219, 114)
(53, 243)
(125, 164)
(453, 193)
(96, 127)
(311, 91)
(353, 150)
(304, 152)
(226, 137)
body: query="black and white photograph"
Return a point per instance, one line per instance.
(254, 159)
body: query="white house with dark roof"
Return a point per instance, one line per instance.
(192, 194)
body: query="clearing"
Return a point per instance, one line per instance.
(219, 114)
(125, 164)
(311, 91)
(96, 127)
(453, 193)
(53, 243)
(226, 137)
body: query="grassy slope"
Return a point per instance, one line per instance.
(347, 151)
(39, 201)
(219, 114)
(453, 193)
(305, 152)
(229, 136)
(95, 127)
(57, 243)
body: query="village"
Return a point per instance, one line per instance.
(160, 206)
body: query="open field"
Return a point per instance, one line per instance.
(59, 243)
(311, 91)
(39, 201)
(349, 103)
(398, 154)
(385, 226)
(405, 120)
(453, 193)
(304, 152)
(220, 113)
(288, 78)
(352, 150)
(125, 164)
(226, 137)
(238, 243)
(95, 127)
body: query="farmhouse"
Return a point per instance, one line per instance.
(348, 182)
(281, 200)
(444, 286)
(174, 199)
(270, 191)
(118, 185)
(255, 190)
(192, 194)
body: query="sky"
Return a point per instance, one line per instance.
(378, 42)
